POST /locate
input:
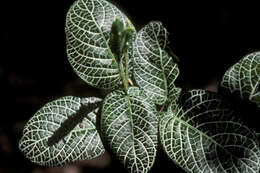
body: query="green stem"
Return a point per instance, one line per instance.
(126, 65)
(123, 75)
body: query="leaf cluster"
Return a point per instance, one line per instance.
(198, 130)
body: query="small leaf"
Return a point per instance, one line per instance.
(154, 71)
(116, 37)
(120, 38)
(63, 131)
(244, 78)
(88, 28)
(130, 126)
(200, 134)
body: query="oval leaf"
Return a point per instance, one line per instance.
(200, 134)
(88, 26)
(154, 71)
(129, 124)
(244, 78)
(63, 131)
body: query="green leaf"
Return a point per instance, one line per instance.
(63, 131)
(120, 38)
(130, 126)
(88, 28)
(200, 134)
(154, 71)
(244, 78)
(116, 42)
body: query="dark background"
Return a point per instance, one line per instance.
(208, 38)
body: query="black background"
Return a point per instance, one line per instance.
(208, 38)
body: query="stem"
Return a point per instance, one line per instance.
(122, 74)
(126, 65)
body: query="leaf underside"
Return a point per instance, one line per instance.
(200, 134)
(155, 71)
(130, 126)
(88, 26)
(51, 137)
(244, 78)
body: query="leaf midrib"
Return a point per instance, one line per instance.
(132, 124)
(163, 70)
(103, 36)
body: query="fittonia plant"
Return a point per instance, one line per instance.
(198, 131)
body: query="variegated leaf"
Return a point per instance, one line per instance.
(88, 27)
(244, 78)
(201, 134)
(130, 126)
(154, 69)
(63, 131)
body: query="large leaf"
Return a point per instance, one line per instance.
(200, 134)
(154, 71)
(130, 126)
(88, 27)
(63, 131)
(244, 78)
